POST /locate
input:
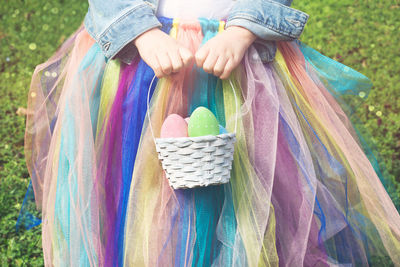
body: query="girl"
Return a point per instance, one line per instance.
(302, 191)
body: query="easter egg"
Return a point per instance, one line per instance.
(202, 122)
(187, 120)
(174, 126)
(222, 130)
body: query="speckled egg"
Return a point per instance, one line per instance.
(203, 122)
(174, 126)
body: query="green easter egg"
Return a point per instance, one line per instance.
(202, 122)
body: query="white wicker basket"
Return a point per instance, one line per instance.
(191, 162)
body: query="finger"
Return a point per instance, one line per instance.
(229, 67)
(201, 56)
(176, 60)
(158, 71)
(155, 65)
(220, 65)
(165, 63)
(186, 55)
(209, 63)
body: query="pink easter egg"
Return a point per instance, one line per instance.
(174, 126)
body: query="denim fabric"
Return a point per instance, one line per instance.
(114, 24)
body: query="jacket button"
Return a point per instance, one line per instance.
(106, 46)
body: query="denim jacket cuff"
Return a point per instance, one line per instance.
(118, 37)
(268, 20)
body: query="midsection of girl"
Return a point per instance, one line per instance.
(219, 56)
(105, 198)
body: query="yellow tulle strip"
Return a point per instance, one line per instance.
(248, 192)
(147, 185)
(108, 92)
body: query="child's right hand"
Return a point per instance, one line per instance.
(162, 52)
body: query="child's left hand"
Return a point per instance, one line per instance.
(222, 53)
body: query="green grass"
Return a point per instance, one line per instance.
(30, 31)
(360, 34)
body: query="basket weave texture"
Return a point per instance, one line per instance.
(196, 161)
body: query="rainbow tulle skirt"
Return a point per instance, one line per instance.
(304, 190)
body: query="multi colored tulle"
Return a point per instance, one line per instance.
(304, 187)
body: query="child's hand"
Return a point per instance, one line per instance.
(162, 52)
(221, 54)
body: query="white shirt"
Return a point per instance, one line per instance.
(193, 9)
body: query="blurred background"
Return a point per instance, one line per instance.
(364, 35)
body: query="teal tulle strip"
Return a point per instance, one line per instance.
(68, 194)
(29, 216)
(211, 201)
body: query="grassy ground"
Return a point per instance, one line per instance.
(361, 34)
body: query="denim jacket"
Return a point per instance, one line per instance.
(114, 24)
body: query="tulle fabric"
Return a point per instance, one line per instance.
(119, 131)
(64, 121)
(302, 190)
(368, 210)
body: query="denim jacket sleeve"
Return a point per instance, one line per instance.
(116, 23)
(270, 21)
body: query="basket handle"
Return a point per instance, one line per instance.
(148, 105)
